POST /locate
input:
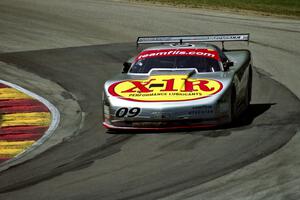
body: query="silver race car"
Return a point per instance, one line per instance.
(183, 83)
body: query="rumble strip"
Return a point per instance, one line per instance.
(26, 120)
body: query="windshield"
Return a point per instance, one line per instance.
(202, 64)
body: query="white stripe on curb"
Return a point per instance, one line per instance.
(54, 122)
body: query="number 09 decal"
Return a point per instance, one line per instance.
(128, 112)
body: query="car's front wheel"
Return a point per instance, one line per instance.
(249, 85)
(248, 91)
(233, 105)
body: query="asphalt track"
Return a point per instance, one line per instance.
(99, 165)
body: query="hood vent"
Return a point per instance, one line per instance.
(172, 72)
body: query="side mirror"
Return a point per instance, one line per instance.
(227, 65)
(126, 67)
(230, 64)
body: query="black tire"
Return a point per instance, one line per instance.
(250, 85)
(233, 104)
(247, 97)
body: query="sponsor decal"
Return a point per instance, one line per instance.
(208, 53)
(163, 88)
(128, 112)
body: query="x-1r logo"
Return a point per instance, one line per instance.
(190, 86)
(163, 88)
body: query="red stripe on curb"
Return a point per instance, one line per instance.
(3, 159)
(23, 129)
(3, 86)
(20, 102)
(22, 105)
(20, 136)
(23, 109)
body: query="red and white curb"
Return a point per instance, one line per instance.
(27, 120)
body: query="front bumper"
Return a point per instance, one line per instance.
(165, 125)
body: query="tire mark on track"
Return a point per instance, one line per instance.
(112, 146)
(274, 47)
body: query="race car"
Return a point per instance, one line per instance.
(184, 82)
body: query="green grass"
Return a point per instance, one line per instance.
(282, 7)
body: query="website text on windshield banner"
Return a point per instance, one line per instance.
(175, 52)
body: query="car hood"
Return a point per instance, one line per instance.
(169, 87)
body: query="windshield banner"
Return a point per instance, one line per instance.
(208, 53)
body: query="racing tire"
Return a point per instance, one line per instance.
(234, 113)
(249, 85)
(247, 97)
(248, 91)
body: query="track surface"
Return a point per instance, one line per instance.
(98, 165)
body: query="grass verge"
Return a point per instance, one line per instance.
(280, 7)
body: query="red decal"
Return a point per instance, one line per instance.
(169, 86)
(189, 86)
(140, 86)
